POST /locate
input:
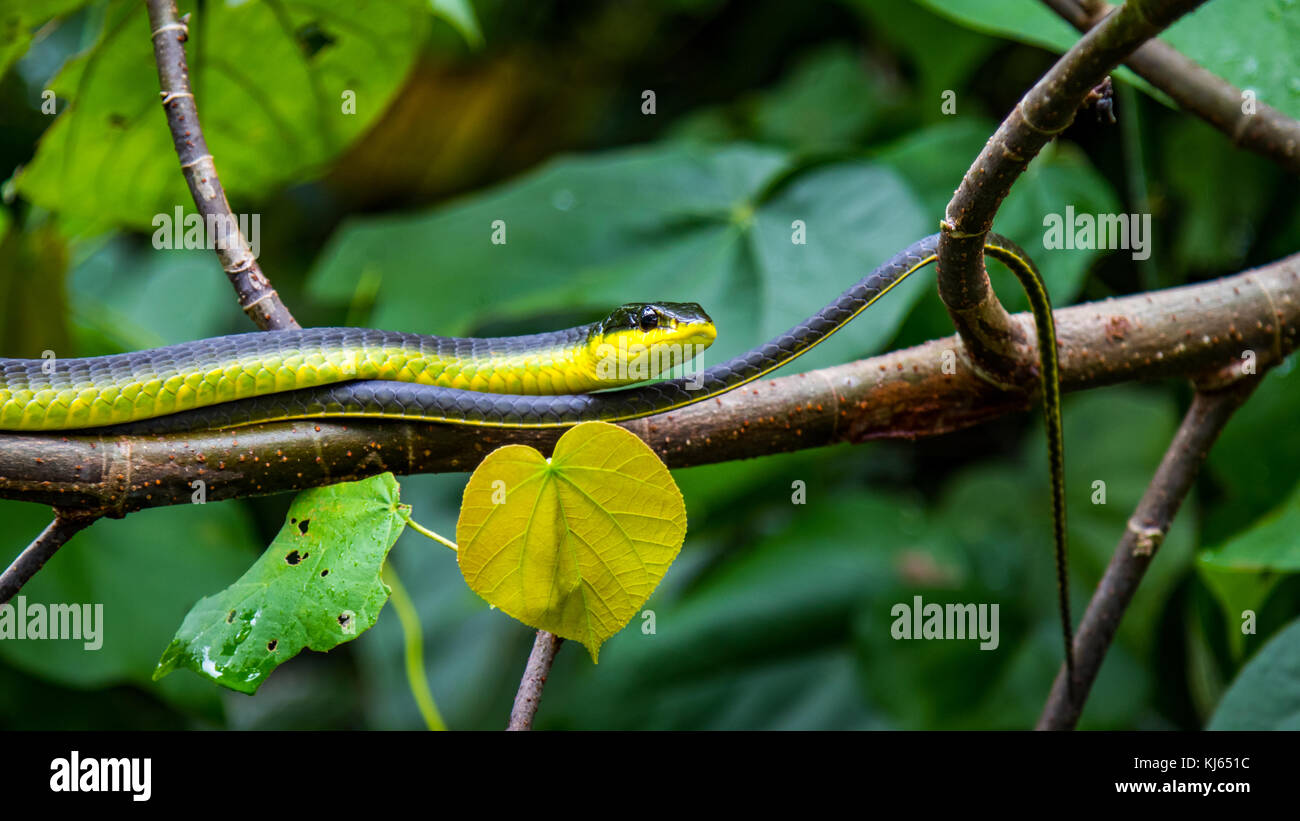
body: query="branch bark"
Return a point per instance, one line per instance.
(529, 697)
(1201, 426)
(903, 394)
(996, 347)
(256, 296)
(1267, 132)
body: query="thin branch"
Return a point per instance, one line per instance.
(922, 391)
(66, 524)
(1205, 419)
(529, 697)
(1267, 131)
(1045, 111)
(256, 296)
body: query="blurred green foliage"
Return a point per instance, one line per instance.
(776, 614)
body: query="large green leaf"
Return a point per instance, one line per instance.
(1243, 571)
(1253, 464)
(317, 586)
(1266, 693)
(19, 18)
(574, 544)
(828, 102)
(915, 30)
(109, 158)
(1270, 545)
(677, 222)
(1248, 44)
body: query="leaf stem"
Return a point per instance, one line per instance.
(415, 676)
(424, 531)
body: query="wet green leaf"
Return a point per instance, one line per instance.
(317, 586)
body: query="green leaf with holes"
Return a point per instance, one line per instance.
(317, 586)
(574, 544)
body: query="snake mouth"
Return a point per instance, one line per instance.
(701, 335)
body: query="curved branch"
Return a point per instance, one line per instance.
(1205, 419)
(1267, 132)
(256, 296)
(1046, 110)
(921, 391)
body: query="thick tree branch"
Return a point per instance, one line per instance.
(256, 296)
(1250, 317)
(66, 524)
(1267, 132)
(994, 346)
(529, 697)
(1205, 419)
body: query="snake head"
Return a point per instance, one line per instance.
(642, 340)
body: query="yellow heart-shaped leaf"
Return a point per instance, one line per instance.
(574, 544)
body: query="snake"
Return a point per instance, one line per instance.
(601, 371)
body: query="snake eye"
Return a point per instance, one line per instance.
(649, 318)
